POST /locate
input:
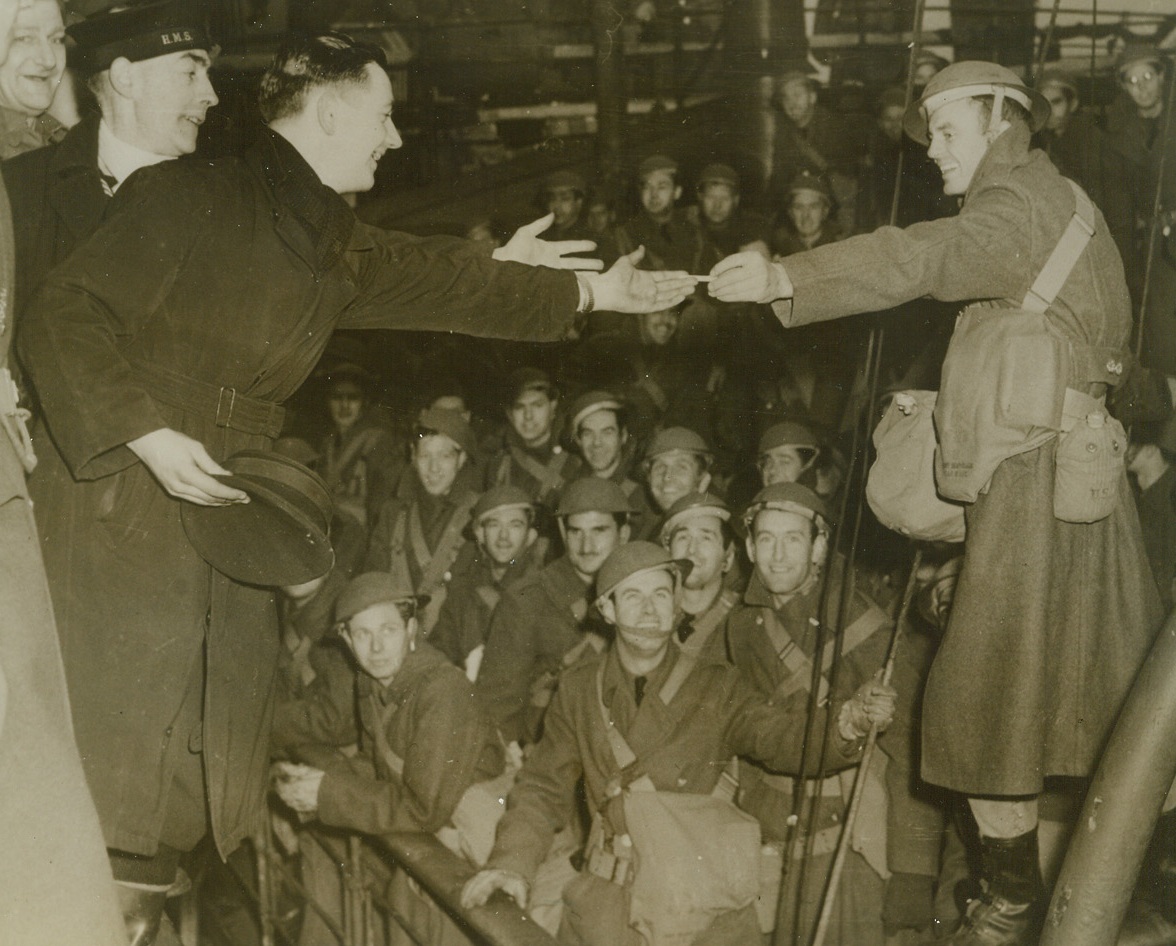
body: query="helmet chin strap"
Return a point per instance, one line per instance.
(995, 118)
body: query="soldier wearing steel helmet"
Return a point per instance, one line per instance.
(1051, 619)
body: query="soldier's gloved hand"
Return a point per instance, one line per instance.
(871, 705)
(748, 277)
(909, 903)
(479, 888)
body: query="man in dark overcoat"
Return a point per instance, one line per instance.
(1051, 618)
(166, 343)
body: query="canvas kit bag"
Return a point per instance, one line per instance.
(684, 860)
(1010, 384)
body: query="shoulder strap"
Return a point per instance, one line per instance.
(502, 477)
(705, 626)
(799, 666)
(382, 716)
(1061, 261)
(795, 661)
(397, 553)
(361, 443)
(490, 595)
(682, 669)
(625, 757)
(434, 567)
(548, 476)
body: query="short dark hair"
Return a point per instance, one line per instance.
(304, 62)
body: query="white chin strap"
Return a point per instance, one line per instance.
(998, 92)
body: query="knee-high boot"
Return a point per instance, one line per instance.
(1009, 911)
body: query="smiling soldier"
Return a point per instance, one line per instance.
(1055, 607)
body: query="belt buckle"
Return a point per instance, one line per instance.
(224, 412)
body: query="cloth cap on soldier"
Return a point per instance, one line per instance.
(1138, 52)
(592, 494)
(657, 162)
(962, 80)
(631, 559)
(139, 31)
(692, 506)
(448, 423)
(677, 438)
(523, 380)
(788, 433)
(1060, 77)
(564, 180)
(506, 496)
(718, 174)
(595, 401)
(372, 588)
(806, 180)
(796, 75)
(788, 497)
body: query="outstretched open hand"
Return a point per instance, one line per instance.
(524, 246)
(625, 288)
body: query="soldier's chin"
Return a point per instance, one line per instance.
(644, 636)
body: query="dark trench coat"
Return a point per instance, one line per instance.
(235, 274)
(1051, 620)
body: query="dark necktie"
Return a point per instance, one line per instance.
(639, 687)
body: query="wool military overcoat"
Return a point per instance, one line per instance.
(233, 275)
(1051, 619)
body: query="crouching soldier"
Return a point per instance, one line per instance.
(503, 523)
(423, 743)
(420, 535)
(546, 623)
(697, 528)
(772, 637)
(650, 728)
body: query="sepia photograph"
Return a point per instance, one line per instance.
(587, 472)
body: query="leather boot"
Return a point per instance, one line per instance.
(1008, 912)
(142, 910)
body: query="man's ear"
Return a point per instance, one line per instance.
(729, 558)
(326, 108)
(704, 482)
(608, 610)
(123, 77)
(461, 459)
(411, 631)
(624, 532)
(820, 548)
(677, 193)
(749, 545)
